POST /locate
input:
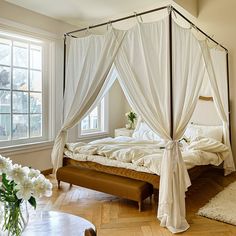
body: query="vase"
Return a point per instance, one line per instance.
(15, 217)
(130, 125)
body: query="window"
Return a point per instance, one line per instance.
(96, 120)
(22, 110)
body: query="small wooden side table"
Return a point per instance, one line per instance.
(50, 223)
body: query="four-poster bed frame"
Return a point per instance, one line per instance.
(147, 177)
(171, 9)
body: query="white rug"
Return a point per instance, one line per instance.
(222, 207)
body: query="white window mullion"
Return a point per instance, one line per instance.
(89, 121)
(99, 116)
(29, 134)
(11, 91)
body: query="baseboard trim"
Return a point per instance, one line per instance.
(46, 172)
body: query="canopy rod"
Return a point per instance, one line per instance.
(143, 13)
(117, 20)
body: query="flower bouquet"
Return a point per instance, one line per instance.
(19, 186)
(131, 116)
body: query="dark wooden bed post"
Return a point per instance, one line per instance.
(64, 64)
(171, 74)
(228, 90)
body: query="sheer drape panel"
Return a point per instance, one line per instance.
(144, 76)
(188, 71)
(82, 54)
(88, 75)
(229, 162)
(142, 65)
(218, 58)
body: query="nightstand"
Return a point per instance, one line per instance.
(123, 132)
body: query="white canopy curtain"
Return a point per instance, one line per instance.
(89, 62)
(188, 72)
(220, 98)
(141, 58)
(147, 88)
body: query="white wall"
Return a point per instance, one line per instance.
(117, 105)
(189, 5)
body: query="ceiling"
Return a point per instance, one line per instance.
(83, 12)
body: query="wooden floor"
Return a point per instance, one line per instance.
(118, 217)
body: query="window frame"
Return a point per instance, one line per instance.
(47, 49)
(104, 126)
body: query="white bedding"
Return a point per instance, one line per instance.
(145, 155)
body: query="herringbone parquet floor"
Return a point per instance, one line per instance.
(113, 216)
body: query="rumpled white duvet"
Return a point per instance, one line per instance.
(145, 155)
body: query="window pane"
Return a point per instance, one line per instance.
(85, 123)
(20, 79)
(20, 126)
(35, 125)
(94, 118)
(93, 122)
(5, 127)
(5, 53)
(35, 57)
(35, 102)
(20, 102)
(5, 101)
(5, 77)
(35, 80)
(20, 54)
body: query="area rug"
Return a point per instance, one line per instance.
(222, 207)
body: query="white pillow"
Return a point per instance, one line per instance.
(144, 132)
(193, 131)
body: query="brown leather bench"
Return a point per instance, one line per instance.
(112, 184)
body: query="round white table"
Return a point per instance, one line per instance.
(54, 223)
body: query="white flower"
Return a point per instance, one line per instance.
(25, 189)
(5, 164)
(18, 173)
(42, 187)
(33, 173)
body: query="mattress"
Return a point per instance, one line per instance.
(150, 163)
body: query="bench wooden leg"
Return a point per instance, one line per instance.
(58, 184)
(155, 193)
(71, 185)
(140, 206)
(150, 199)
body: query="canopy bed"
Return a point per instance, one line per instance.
(163, 69)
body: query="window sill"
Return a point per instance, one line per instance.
(94, 135)
(26, 148)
